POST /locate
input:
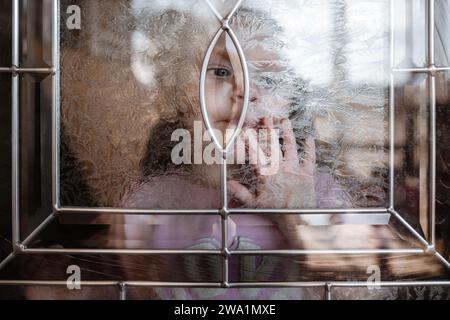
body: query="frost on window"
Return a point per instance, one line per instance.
(129, 80)
(130, 95)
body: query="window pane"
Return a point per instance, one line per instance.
(338, 96)
(129, 107)
(316, 267)
(392, 293)
(442, 33)
(411, 147)
(59, 293)
(35, 105)
(325, 89)
(35, 44)
(5, 33)
(137, 293)
(183, 268)
(195, 232)
(443, 164)
(5, 166)
(410, 33)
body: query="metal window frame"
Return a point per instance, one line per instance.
(20, 246)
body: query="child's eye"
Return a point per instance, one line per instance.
(222, 72)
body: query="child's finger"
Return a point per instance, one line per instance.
(309, 161)
(290, 144)
(271, 165)
(272, 139)
(240, 192)
(238, 152)
(256, 155)
(267, 122)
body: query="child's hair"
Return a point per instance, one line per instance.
(177, 91)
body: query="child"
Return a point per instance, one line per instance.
(276, 97)
(167, 50)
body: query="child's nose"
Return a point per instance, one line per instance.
(251, 99)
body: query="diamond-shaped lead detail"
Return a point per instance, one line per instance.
(224, 85)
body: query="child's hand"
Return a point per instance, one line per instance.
(288, 182)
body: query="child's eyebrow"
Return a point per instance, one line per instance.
(220, 56)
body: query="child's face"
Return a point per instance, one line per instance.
(224, 88)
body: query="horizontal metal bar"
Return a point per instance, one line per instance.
(415, 70)
(219, 252)
(73, 210)
(339, 284)
(308, 211)
(432, 70)
(17, 70)
(156, 284)
(39, 229)
(53, 70)
(173, 284)
(36, 70)
(111, 283)
(328, 252)
(56, 283)
(119, 251)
